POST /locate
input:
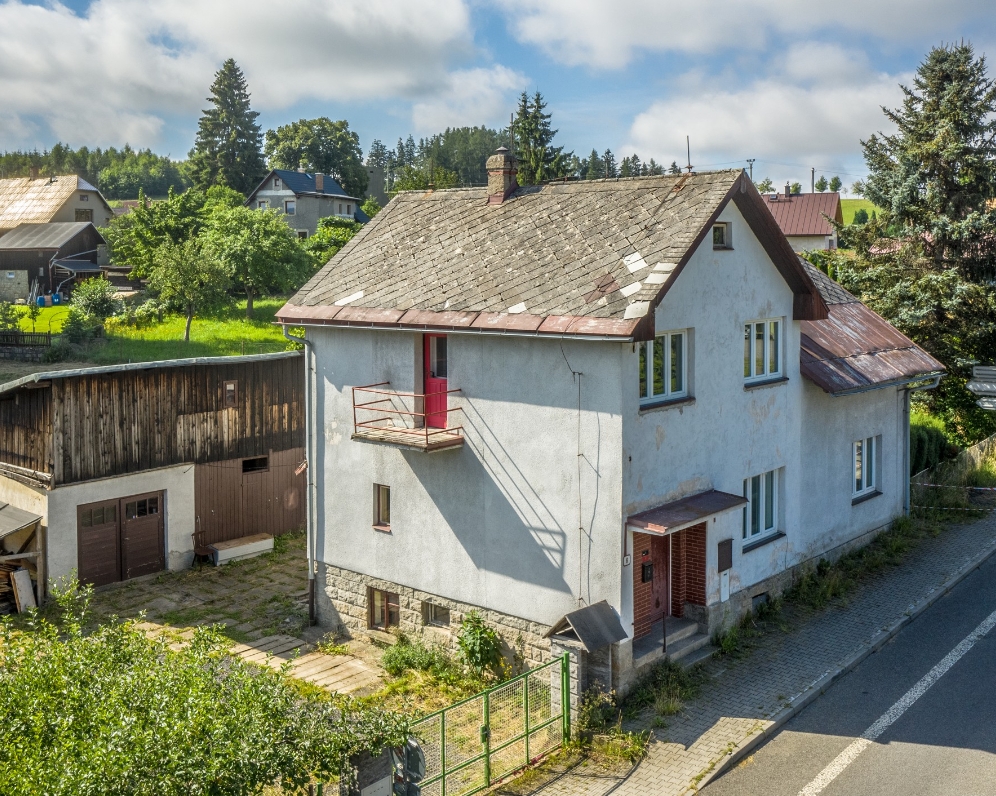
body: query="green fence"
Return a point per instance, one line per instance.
(473, 744)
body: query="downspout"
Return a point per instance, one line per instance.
(906, 452)
(309, 447)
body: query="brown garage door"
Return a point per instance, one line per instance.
(121, 539)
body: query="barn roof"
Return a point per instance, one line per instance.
(34, 201)
(53, 235)
(590, 258)
(853, 349)
(802, 214)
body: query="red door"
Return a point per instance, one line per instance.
(435, 380)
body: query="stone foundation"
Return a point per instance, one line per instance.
(342, 606)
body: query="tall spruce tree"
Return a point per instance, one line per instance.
(538, 158)
(596, 168)
(228, 149)
(609, 164)
(937, 172)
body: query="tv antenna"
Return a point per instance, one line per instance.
(688, 148)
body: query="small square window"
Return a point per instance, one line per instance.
(302, 234)
(258, 464)
(721, 237)
(435, 615)
(84, 197)
(290, 207)
(382, 507)
(384, 610)
(10, 274)
(263, 204)
(84, 215)
(276, 183)
(231, 394)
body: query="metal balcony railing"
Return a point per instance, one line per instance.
(398, 418)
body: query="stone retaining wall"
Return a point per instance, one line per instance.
(342, 605)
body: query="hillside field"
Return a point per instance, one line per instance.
(850, 206)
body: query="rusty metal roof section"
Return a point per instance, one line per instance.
(591, 258)
(804, 213)
(855, 350)
(687, 511)
(35, 201)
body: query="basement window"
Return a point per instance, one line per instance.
(382, 507)
(231, 394)
(258, 464)
(383, 608)
(435, 615)
(722, 237)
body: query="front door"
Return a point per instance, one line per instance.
(659, 592)
(435, 380)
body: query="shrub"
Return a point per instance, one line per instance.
(928, 444)
(408, 654)
(96, 298)
(79, 327)
(480, 645)
(10, 318)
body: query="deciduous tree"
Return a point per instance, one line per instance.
(184, 278)
(320, 145)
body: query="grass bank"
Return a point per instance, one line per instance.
(848, 207)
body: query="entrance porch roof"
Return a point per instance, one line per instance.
(678, 514)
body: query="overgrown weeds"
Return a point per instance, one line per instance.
(598, 731)
(666, 688)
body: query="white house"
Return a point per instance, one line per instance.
(530, 400)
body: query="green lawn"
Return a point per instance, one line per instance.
(226, 333)
(850, 206)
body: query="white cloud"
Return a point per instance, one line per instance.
(607, 33)
(776, 120)
(114, 73)
(471, 97)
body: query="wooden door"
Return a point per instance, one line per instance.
(98, 538)
(143, 543)
(659, 592)
(435, 380)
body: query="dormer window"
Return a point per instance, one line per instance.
(276, 183)
(721, 237)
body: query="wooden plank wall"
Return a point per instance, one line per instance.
(229, 503)
(26, 429)
(113, 423)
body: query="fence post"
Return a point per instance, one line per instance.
(486, 739)
(442, 750)
(525, 707)
(565, 696)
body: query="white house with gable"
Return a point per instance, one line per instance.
(528, 401)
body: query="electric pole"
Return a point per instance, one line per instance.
(812, 180)
(750, 165)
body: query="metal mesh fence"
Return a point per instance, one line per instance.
(473, 744)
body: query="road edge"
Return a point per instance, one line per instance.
(816, 689)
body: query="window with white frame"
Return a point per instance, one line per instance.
(763, 349)
(865, 459)
(262, 204)
(722, 237)
(761, 511)
(664, 367)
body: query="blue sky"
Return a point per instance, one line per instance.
(791, 83)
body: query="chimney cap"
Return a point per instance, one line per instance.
(788, 189)
(501, 160)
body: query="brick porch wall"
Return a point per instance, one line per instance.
(642, 592)
(688, 568)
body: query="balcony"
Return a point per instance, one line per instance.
(388, 417)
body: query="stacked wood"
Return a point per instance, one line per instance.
(7, 604)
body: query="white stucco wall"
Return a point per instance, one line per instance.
(805, 243)
(178, 484)
(494, 524)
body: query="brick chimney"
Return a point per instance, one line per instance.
(788, 190)
(501, 176)
(33, 172)
(319, 182)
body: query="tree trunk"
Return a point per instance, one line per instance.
(249, 298)
(190, 317)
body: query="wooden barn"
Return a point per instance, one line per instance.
(132, 469)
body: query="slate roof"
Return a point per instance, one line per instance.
(27, 201)
(302, 183)
(854, 349)
(590, 257)
(53, 235)
(804, 214)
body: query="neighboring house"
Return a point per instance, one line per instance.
(41, 259)
(305, 199)
(26, 200)
(134, 468)
(530, 400)
(804, 218)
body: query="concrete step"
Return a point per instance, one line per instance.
(679, 629)
(687, 646)
(699, 656)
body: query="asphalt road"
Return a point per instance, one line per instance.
(917, 718)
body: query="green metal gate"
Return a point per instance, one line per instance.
(471, 745)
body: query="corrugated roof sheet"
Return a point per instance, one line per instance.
(804, 213)
(854, 349)
(589, 257)
(52, 235)
(27, 201)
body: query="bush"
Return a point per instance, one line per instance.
(111, 710)
(79, 327)
(929, 445)
(415, 655)
(480, 645)
(96, 298)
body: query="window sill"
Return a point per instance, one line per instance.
(863, 498)
(722, 248)
(670, 403)
(757, 385)
(762, 542)
(382, 528)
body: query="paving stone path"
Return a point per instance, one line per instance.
(261, 604)
(740, 696)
